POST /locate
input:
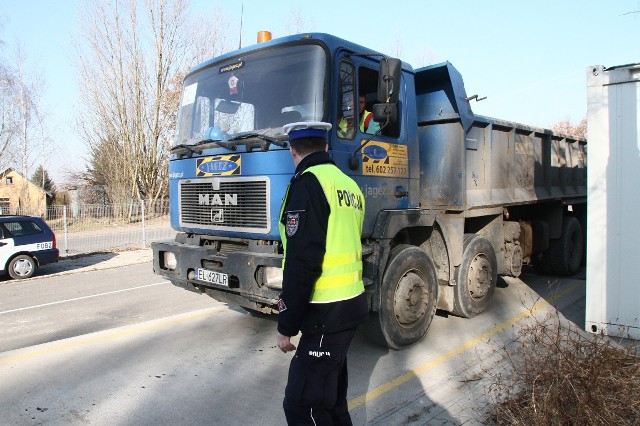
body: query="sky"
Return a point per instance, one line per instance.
(529, 59)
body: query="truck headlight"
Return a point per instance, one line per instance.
(272, 277)
(170, 261)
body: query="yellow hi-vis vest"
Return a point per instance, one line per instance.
(365, 120)
(343, 128)
(341, 277)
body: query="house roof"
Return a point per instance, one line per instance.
(10, 169)
(7, 170)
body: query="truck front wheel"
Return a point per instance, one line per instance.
(409, 295)
(477, 277)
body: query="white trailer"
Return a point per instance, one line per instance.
(613, 188)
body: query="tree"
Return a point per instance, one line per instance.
(32, 134)
(41, 178)
(212, 36)
(565, 127)
(397, 46)
(131, 71)
(297, 22)
(425, 56)
(9, 113)
(22, 124)
(124, 109)
(634, 12)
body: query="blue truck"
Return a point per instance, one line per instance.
(453, 200)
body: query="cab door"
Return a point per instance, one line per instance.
(381, 153)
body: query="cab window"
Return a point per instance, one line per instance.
(356, 96)
(346, 102)
(368, 96)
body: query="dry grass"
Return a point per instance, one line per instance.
(561, 376)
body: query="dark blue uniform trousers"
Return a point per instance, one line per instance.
(316, 392)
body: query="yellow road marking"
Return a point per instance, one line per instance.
(392, 384)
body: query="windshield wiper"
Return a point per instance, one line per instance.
(250, 140)
(197, 147)
(210, 143)
(258, 140)
(182, 149)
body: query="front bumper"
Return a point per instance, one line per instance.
(243, 268)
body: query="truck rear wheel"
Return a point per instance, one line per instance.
(565, 253)
(477, 277)
(409, 295)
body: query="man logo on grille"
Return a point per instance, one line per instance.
(217, 216)
(217, 200)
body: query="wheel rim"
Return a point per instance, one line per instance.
(410, 300)
(23, 267)
(480, 277)
(515, 261)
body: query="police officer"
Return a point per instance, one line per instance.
(322, 290)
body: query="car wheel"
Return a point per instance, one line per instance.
(22, 266)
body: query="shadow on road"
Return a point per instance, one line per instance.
(75, 263)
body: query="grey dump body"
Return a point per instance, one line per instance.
(471, 162)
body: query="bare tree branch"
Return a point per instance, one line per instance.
(131, 70)
(565, 127)
(297, 22)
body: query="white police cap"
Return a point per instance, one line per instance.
(307, 129)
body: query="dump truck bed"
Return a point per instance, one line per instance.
(472, 162)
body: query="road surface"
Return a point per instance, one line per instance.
(108, 342)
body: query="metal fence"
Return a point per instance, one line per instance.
(91, 228)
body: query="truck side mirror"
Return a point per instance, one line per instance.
(383, 111)
(389, 80)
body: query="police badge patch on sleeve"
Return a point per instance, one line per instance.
(281, 306)
(292, 221)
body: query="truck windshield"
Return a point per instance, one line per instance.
(252, 97)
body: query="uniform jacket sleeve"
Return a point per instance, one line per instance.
(305, 250)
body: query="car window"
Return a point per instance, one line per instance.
(22, 228)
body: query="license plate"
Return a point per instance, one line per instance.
(212, 277)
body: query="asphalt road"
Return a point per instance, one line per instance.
(120, 346)
(64, 306)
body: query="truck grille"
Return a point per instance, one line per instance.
(231, 204)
